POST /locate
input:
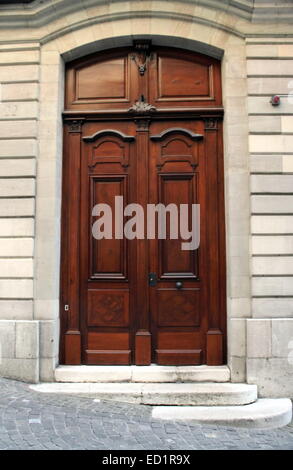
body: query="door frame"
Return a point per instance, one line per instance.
(70, 344)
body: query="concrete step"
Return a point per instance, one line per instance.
(142, 374)
(263, 414)
(194, 394)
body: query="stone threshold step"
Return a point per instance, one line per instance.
(265, 413)
(194, 394)
(153, 374)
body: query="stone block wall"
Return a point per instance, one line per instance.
(270, 330)
(19, 336)
(24, 338)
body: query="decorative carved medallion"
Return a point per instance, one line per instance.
(143, 55)
(111, 309)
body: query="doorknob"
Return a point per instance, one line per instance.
(179, 285)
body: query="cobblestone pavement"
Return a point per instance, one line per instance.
(30, 420)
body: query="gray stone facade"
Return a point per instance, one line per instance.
(255, 42)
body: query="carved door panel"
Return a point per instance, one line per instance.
(109, 81)
(178, 300)
(107, 290)
(184, 80)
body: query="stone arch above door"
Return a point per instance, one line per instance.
(86, 40)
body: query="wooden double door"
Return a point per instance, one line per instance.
(142, 127)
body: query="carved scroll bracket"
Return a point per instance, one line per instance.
(211, 124)
(75, 126)
(142, 124)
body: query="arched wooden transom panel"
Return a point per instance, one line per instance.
(112, 80)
